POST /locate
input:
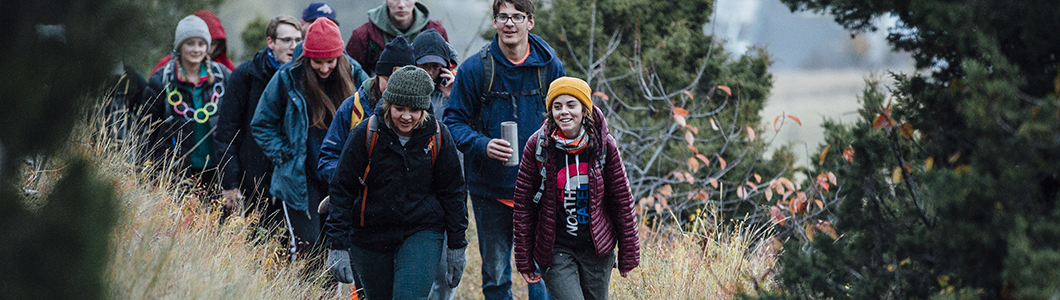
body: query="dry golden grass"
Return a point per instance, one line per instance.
(169, 244)
(709, 261)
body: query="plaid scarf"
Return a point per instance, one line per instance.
(571, 145)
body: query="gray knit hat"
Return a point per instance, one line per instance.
(409, 86)
(189, 27)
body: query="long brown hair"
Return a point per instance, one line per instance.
(374, 92)
(318, 104)
(588, 122)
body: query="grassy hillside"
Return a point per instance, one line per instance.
(169, 244)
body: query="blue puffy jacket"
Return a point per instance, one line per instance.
(474, 121)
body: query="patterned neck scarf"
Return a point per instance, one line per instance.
(273, 61)
(571, 145)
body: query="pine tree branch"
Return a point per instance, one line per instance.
(893, 139)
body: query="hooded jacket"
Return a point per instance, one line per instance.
(367, 41)
(612, 219)
(281, 128)
(407, 192)
(243, 164)
(217, 32)
(475, 121)
(177, 131)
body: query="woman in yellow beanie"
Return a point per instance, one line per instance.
(572, 200)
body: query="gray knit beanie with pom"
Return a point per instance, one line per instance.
(410, 87)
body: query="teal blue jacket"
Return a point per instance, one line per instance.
(280, 127)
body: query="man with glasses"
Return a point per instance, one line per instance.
(406, 18)
(506, 81)
(244, 170)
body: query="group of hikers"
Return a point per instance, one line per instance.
(371, 148)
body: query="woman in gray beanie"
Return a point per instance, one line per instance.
(396, 191)
(183, 95)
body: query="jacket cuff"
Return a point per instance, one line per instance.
(480, 143)
(335, 244)
(454, 244)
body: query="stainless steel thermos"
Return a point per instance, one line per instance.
(510, 133)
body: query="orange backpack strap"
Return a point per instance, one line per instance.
(370, 137)
(435, 140)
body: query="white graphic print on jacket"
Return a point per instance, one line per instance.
(573, 183)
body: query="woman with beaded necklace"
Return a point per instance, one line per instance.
(183, 96)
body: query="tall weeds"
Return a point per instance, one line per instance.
(170, 244)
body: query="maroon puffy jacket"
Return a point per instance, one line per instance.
(612, 219)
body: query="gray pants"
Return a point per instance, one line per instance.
(578, 274)
(440, 289)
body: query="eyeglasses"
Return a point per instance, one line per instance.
(503, 18)
(288, 40)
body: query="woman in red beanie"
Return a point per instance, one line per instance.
(291, 121)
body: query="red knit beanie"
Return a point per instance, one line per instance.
(322, 40)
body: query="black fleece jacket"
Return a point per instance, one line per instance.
(242, 162)
(406, 193)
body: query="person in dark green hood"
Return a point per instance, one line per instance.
(394, 18)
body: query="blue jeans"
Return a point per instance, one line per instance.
(494, 222)
(405, 273)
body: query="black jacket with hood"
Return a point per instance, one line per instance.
(242, 162)
(406, 192)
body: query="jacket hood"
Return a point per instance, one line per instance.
(431, 43)
(380, 16)
(217, 30)
(540, 52)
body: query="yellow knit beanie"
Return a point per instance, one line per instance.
(570, 86)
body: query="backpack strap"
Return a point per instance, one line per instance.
(217, 73)
(541, 156)
(371, 137)
(357, 111)
(542, 85)
(488, 65)
(435, 140)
